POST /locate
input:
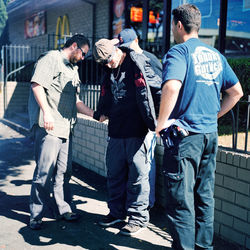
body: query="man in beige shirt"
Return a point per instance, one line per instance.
(53, 105)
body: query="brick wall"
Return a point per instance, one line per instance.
(232, 197)
(232, 189)
(89, 144)
(102, 19)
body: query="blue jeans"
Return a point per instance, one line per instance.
(53, 157)
(128, 179)
(190, 174)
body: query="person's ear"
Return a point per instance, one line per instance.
(74, 45)
(179, 25)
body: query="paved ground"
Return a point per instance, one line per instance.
(89, 189)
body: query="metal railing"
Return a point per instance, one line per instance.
(90, 95)
(244, 122)
(15, 56)
(6, 79)
(240, 116)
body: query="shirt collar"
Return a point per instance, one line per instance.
(65, 59)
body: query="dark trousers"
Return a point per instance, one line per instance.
(53, 157)
(128, 169)
(190, 174)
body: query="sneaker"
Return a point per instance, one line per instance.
(131, 229)
(109, 220)
(35, 224)
(69, 216)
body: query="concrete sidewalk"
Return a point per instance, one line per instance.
(89, 189)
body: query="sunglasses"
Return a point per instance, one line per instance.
(83, 53)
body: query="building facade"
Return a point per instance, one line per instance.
(47, 23)
(44, 23)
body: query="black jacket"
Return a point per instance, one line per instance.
(143, 93)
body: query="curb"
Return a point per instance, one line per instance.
(15, 126)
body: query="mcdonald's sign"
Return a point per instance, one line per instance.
(62, 31)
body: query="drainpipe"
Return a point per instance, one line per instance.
(145, 23)
(223, 26)
(167, 6)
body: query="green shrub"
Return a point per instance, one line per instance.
(241, 67)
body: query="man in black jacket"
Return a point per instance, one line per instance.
(127, 102)
(128, 38)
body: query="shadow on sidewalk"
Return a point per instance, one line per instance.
(14, 207)
(85, 233)
(16, 169)
(14, 152)
(16, 157)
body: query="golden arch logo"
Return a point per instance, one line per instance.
(62, 31)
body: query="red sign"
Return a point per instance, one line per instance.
(35, 25)
(136, 14)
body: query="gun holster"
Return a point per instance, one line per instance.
(172, 134)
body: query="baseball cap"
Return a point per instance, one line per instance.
(126, 37)
(104, 50)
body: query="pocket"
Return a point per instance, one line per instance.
(175, 188)
(174, 177)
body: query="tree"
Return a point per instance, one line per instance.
(4, 33)
(3, 16)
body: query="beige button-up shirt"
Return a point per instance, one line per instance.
(60, 80)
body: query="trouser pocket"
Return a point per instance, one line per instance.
(174, 177)
(175, 188)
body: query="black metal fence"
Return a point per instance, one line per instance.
(90, 95)
(242, 125)
(17, 63)
(14, 57)
(234, 128)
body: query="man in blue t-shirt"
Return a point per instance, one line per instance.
(194, 74)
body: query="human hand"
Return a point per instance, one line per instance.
(48, 121)
(103, 118)
(161, 126)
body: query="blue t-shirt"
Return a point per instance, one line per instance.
(204, 72)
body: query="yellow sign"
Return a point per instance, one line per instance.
(62, 26)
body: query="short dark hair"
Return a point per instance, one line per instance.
(81, 40)
(189, 15)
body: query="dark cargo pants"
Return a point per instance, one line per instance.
(190, 174)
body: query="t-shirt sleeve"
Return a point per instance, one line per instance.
(229, 78)
(44, 71)
(174, 65)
